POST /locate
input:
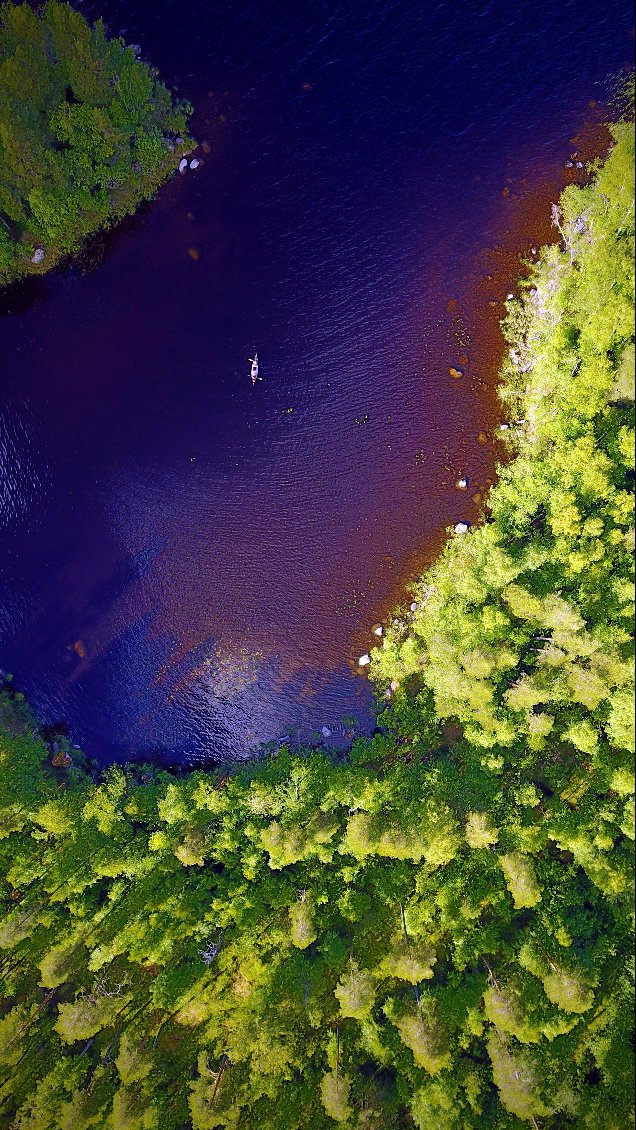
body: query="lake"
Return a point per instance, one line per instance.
(191, 566)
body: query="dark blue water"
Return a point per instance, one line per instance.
(190, 566)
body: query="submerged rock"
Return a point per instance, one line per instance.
(326, 732)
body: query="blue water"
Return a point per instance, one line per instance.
(190, 566)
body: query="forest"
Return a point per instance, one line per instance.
(87, 131)
(435, 930)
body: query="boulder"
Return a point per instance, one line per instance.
(38, 255)
(462, 527)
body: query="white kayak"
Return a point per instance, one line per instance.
(254, 370)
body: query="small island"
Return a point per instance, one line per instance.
(87, 132)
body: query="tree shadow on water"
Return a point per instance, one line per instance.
(20, 296)
(101, 244)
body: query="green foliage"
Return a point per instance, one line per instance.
(86, 1016)
(303, 930)
(433, 933)
(87, 132)
(517, 1079)
(334, 1091)
(423, 1031)
(520, 879)
(355, 992)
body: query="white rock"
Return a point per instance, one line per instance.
(326, 732)
(183, 164)
(462, 484)
(364, 660)
(462, 527)
(38, 255)
(414, 607)
(504, 427)
(378, 630)
(195, 164)
(394, 685)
